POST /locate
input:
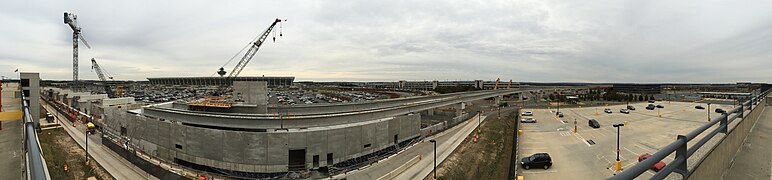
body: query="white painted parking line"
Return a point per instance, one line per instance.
(634, 153)
(539, 172)
(581, 139)
(532, 142)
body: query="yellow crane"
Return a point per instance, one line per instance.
(497, 83)
(510, 84)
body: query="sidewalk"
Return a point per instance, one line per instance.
(113, 163)
(754, 159)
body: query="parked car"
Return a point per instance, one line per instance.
(537, 160)
(528, 120)
(527, 113)
(632, 108)
(660, 106)
(593, 123)
(699, 107)
(651, 101)
(657, 167)
(607, 110)
(560, 114)
(650, 107)
(624, 111)
(719, 110)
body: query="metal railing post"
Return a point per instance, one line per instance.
(724, 124)
(682, 153)
(750, 105)
(742, 110)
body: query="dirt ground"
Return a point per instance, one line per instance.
(488, 158)
(60, 149)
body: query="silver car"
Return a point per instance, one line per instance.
(528, 120)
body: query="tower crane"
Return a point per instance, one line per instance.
(497, 83)
(248, 56)
(251, 52)
(101, 74)
(72, 20)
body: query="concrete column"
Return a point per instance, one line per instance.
(498, 99)
(460, 108)
(430, 112)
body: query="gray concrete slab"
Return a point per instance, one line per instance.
(573, 156)
(11, 166)
(754, 159)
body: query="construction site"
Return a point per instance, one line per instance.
(230, 125)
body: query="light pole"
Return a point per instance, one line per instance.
(618, 164)
(708, 112)
(479, 115)
(435, 157)
(558, 111)
(575, 128)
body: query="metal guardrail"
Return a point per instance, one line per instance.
(36, 166)
(679, 146)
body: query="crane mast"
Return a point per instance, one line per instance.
(100, 73)
(72, 21)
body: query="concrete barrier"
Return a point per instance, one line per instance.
(718, 160)
(397, 171)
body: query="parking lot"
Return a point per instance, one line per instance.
(590, 152)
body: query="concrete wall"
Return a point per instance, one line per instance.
(719, 159)
(258, 151)
(32, 93)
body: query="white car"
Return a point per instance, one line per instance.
(527, 113)
(528, 120)
(607, 110)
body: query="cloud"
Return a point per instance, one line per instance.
(553, 41)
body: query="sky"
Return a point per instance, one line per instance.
(705, 41)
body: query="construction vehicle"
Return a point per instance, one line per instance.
(101, 74)
(497, 83)
(510, 84)
(72, 20)
(219, 100)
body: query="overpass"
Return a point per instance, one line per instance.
(305, 116)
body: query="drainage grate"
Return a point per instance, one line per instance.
(591, 142)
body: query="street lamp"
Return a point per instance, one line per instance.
(618, 164)
(435, 157)
(708, 112)
(479, 115)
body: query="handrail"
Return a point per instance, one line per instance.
(36, 166)
(679, 146)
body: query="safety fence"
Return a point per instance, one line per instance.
(36, 165)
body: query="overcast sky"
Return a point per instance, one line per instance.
(336, 40)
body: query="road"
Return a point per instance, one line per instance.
(447, 141)
(114, 164)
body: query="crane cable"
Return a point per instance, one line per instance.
(238, 53)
